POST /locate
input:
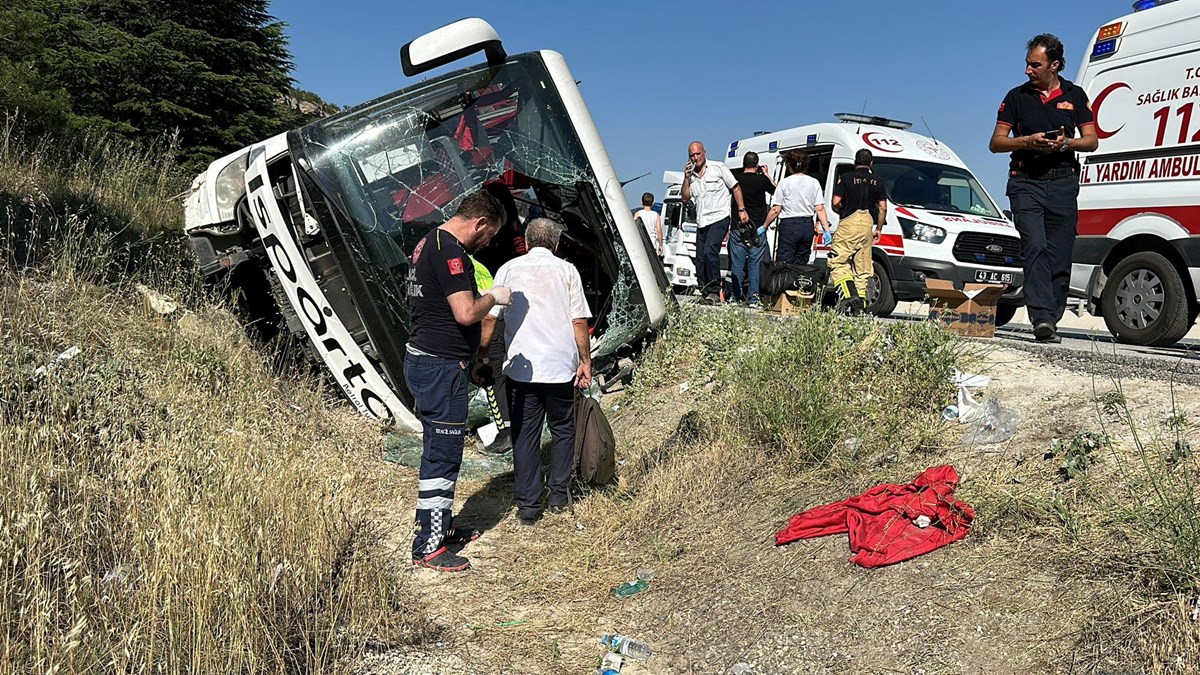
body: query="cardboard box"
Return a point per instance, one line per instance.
(970, 312)
(791, 303)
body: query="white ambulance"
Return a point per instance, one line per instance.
(1137, 257)
(941, 223)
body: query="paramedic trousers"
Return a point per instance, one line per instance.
(1046, 213)
(708, 256)
(795, 240)
(850, 266)
(497, 394)
(439, 388)
(533, 403)
(745, 264)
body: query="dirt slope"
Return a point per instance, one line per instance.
(1008, 599)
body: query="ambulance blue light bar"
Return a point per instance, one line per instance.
(1104, 48)
(1149, 4)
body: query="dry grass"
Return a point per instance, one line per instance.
(169, 500)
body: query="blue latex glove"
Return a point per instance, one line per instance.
(762, 231)
(826, 238)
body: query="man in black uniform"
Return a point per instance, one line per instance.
(446, 310)
(1042, 116)
(747, 240)
(860, 199)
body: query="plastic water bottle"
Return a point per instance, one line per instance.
(627, 646)
(610, 664)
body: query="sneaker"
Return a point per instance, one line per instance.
(460, 535)
(558, 508)
(443, 560)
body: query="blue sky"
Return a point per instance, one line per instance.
(659, 75)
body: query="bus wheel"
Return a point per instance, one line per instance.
(881, 301)
(1005, 313)
(1144, 301)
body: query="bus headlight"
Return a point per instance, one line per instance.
(229, 187)
(922, 232)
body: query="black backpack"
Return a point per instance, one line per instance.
(595, 445)
(791, 277)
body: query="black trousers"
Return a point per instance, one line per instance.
(530, 404)
(1046, 213)
(708, 256)
(795, 240)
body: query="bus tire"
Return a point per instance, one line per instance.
(1145, 302)
(881, 301)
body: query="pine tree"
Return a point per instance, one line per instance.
(215, 72)
(24, 83)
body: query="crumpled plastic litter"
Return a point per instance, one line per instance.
(990, 423)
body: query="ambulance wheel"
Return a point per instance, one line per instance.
(1005, 313)
(1144, 301)
(881, 301)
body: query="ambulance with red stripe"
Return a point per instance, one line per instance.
(1137, 258)
(941, 222)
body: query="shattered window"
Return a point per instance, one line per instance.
(398, 166)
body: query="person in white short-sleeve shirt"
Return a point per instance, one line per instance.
(548, 354)
(798, 203)
(710, 187)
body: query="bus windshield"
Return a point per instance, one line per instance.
(939, 187)
(402, 163)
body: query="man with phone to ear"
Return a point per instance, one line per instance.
(1036, 124)
(711, 186)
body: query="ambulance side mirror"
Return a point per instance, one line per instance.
(1007, 214)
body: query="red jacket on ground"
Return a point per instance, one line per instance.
(880, 520)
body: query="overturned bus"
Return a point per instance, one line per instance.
(314, 227)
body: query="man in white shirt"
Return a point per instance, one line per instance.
(710, 186)
(651, 221)
(799, 203)
(548, 355)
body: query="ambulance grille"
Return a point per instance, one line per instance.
(977, 248)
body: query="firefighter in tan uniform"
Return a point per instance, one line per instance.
(861, 200)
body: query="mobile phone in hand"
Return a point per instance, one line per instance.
(1053, 134)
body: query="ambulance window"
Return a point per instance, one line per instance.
(818, 164)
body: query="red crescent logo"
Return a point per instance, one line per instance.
(882, 142)
(1100, 132)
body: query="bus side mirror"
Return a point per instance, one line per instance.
(451, 43)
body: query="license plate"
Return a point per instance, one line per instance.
(993, 277)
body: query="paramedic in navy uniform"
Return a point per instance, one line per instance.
(446, 313)
(1037, 123)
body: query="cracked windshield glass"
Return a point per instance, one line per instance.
(400, 165)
